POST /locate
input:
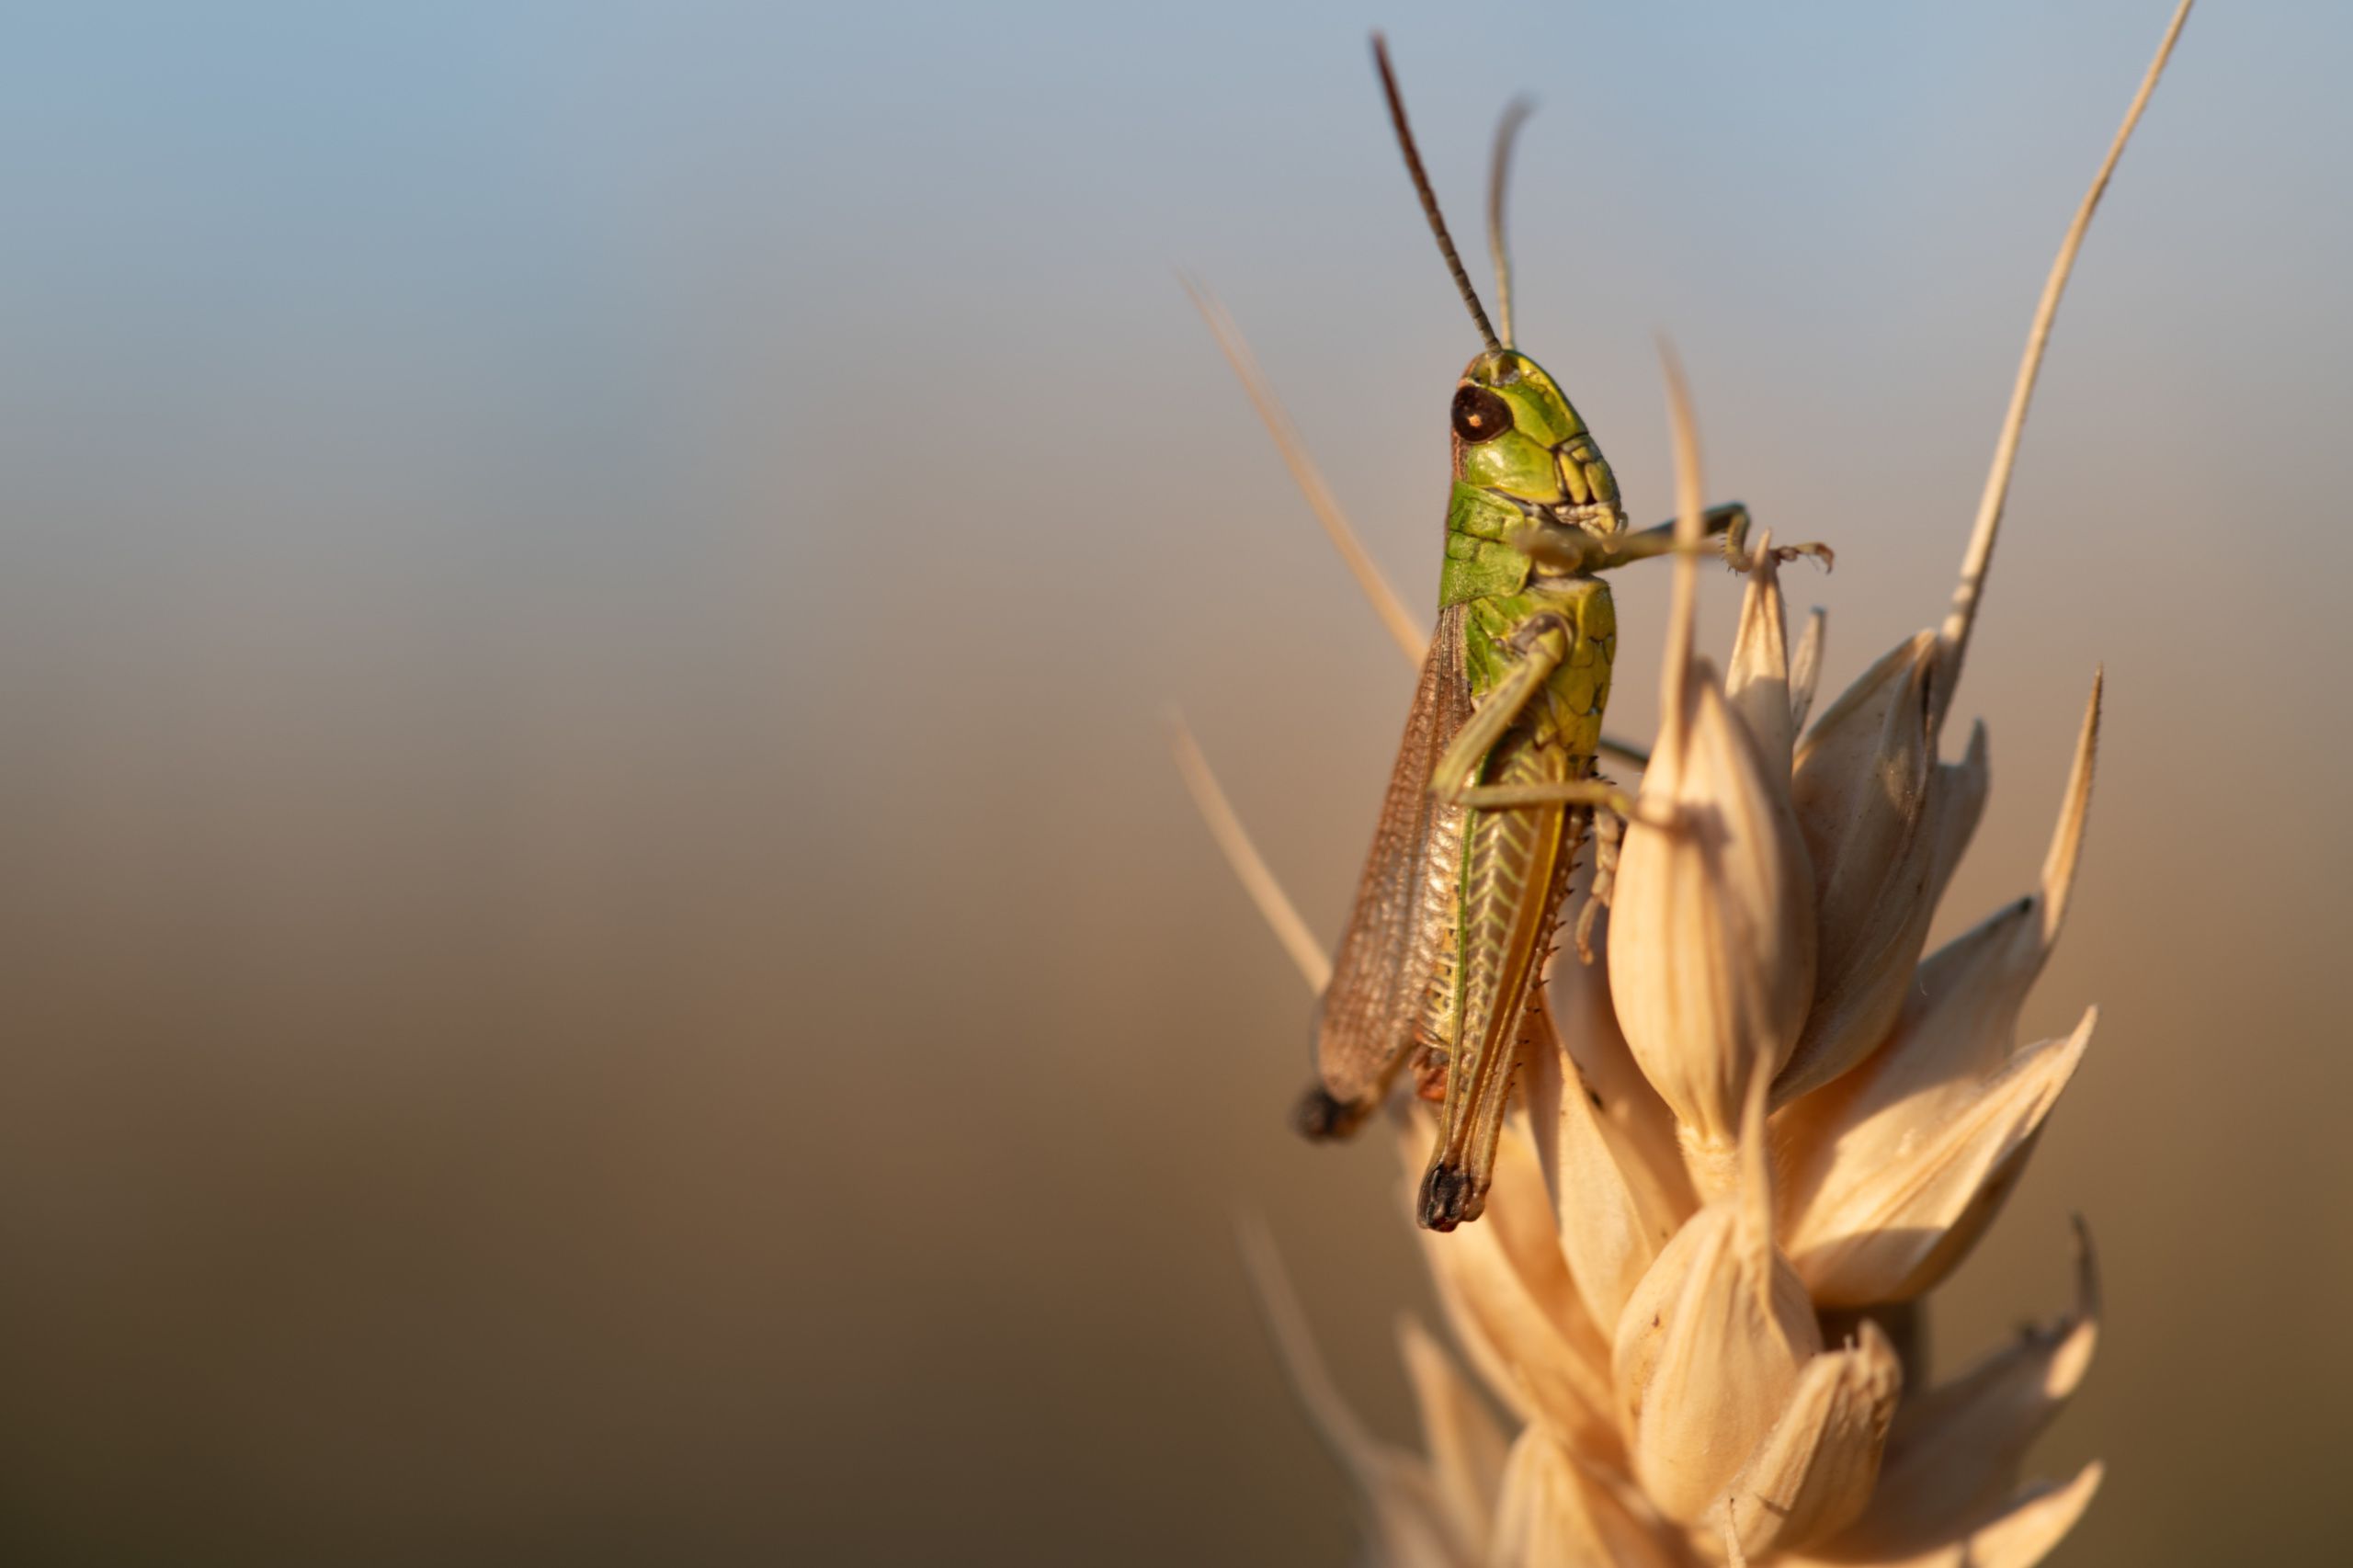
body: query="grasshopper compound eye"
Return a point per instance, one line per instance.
(1480, 415)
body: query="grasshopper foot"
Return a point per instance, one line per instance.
(1782, 555)
(1321, 1116)
(1448, 1198)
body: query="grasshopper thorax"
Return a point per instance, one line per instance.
(1519, 438)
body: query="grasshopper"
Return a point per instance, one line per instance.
(1495, 788)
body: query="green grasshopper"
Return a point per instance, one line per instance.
(1494, 788)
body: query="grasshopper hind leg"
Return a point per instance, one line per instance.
(1454, 1191)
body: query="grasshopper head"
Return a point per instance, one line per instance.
(1517, 435)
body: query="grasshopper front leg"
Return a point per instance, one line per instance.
(1542, 643)
(1454, 781)
(1573, 549)
(1732, 520)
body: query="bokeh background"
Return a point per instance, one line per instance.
(602, 960)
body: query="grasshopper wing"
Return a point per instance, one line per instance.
(1401, 926)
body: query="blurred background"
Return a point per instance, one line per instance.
(603, 959)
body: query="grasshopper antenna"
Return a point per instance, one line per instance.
(1516, 115)
(1429, 197)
